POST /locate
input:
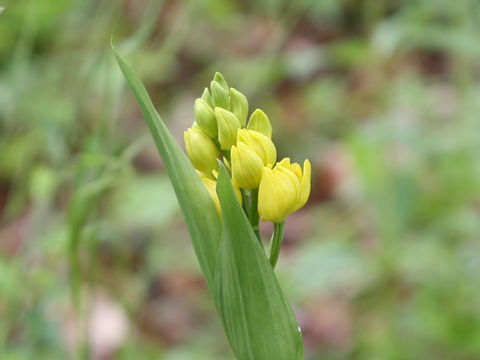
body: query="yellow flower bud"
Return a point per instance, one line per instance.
(205, 118)
(283, 190)
(239, 105)
(219, 95)
(259, 122)
(201, 150)
(212, 189)
(259, 143)
(247, 167)
(228, 125)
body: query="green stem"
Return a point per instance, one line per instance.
(276, 242)
(245, 202)
(253, 216)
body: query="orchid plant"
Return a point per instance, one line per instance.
(227, 182)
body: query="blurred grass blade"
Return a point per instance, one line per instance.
(257, 318)
(197, 206)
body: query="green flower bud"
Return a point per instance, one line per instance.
(207, 97)
(259, 122)
(228, 125)
(239, 105)
(221, 80)
(219, 95)
(262, 145)
(205, 118)
(247, 167)
(201, 150)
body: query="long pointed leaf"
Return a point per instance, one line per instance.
(197, 206)
(257, 318)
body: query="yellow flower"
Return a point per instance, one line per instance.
(211, 186)
(259, 122)
(247, 167)
(201, 150)
(303, 176)
(228, 125)
(259, 143)
(283, 190)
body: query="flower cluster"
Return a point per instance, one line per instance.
(221, 131)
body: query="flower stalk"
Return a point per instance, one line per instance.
(253, 216)
(276, 242)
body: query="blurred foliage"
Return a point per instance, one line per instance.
(382, 95)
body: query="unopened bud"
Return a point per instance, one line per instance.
(228, 125)
(247, 167)
(219, 95)
(262, 145)
(259, 122)
(221, 80)
(207, 97)
(201, 150)
(205, 118)
(239, 105)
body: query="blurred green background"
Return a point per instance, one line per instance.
(383, 96)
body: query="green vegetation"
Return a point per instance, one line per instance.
(381, 95)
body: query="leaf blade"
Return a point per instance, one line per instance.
(195, 202)
(258, 320)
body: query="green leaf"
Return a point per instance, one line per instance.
(196, 203)
(258, 320)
